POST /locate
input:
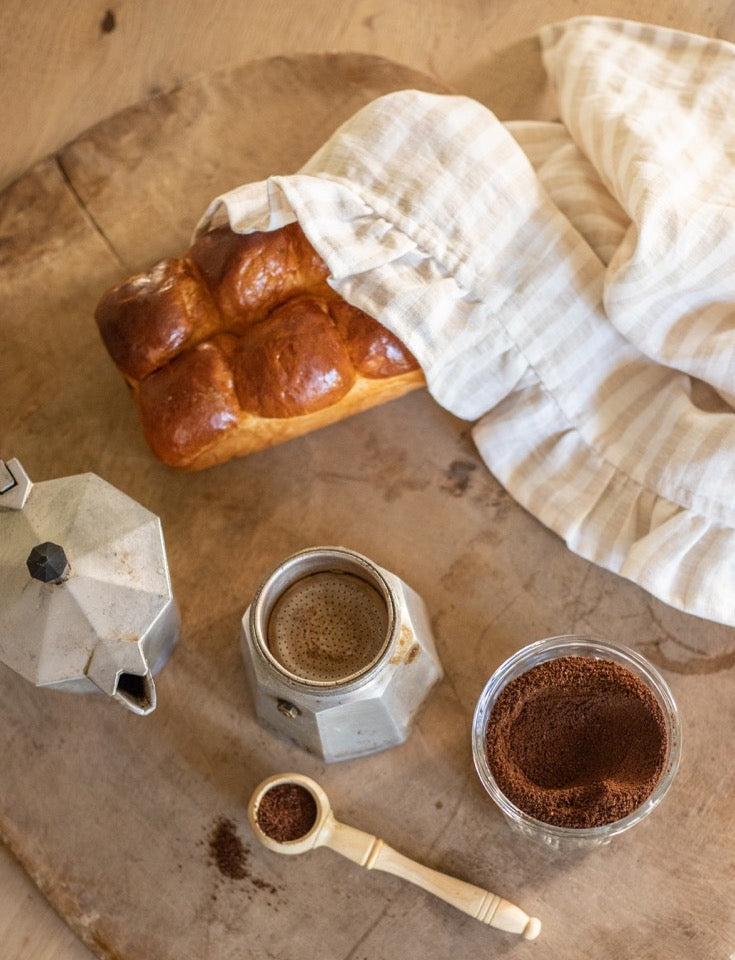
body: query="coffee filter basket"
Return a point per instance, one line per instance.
(339, 653)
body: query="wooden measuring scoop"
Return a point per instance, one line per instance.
(373, 854)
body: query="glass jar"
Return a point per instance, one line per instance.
(552, 835)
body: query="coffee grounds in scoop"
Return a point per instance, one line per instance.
(577, 742)
(286, 812)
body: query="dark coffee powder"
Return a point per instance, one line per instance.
(286, 812)
(227, 850)
(577, 742)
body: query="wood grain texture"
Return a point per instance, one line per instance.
(211, 135)
(66, 66)
(118, 840)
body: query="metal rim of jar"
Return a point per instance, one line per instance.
(295, 568)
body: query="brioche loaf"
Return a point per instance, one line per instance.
(241, 344)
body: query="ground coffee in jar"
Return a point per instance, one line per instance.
(286, 812)
(577, 741)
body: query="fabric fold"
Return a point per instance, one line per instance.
(507, 258)
(651, 109)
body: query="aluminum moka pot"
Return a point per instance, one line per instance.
(339, 653)
(85, 595)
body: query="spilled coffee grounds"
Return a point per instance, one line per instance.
(286, 812)
(577, 742)
(227, 850)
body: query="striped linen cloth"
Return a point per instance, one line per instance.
(569, 287)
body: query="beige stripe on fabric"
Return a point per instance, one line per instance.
(664, 144)
(561, 285)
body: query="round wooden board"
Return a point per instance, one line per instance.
(113, 815)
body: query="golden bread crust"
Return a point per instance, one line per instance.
(242, 343)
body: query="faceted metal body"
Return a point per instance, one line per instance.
(86, 601)
(367, 711)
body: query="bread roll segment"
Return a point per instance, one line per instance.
(242, 344)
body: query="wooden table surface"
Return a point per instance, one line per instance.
(67, 66)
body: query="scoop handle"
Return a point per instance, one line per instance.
(373, 854)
